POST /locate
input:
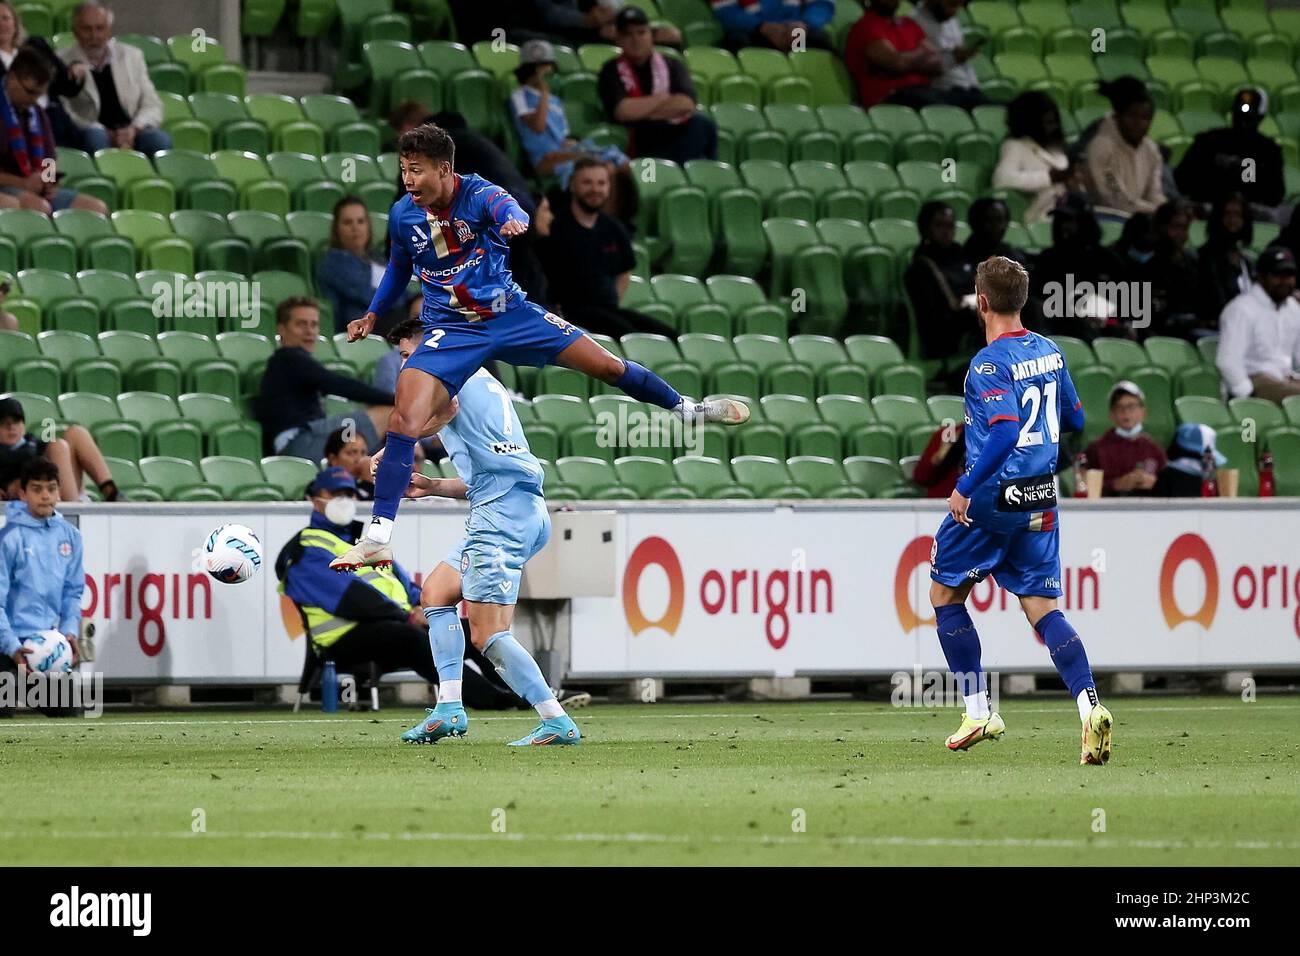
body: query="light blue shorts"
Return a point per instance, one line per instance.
(500, 537)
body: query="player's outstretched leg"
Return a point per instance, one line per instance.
(961, 649)
(588, 356)
(522, 675)
(1071, 662)
(448, 718)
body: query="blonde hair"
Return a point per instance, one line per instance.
(20, 32)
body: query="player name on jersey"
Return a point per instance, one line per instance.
(1040, 365)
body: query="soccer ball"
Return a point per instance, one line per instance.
(232, 554)
(51, 653)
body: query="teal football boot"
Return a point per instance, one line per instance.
(554, 731)
(445, 720)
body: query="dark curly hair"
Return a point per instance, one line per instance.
(428, 140)
(1025, 116)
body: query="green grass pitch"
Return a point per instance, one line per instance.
(1204, 780)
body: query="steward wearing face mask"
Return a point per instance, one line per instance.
(1130, 459)
(351, 619)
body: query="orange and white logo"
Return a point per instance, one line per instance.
(1189, 547)
(659, 552)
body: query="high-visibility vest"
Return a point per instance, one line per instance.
(323, 627)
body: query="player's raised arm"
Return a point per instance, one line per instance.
(500, 209)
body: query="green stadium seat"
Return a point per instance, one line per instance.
(1171, 354)
(1157, 385)
(1078, 353)
(1241, 455)
(306, 179)
(87, 409)
(707, 477)
(251, 177)
(274, 247)
(98, 245)
(231, 474)
(215, 243)
(38, 376)
(823, 477)
(187, 348)
(156, 245)
(835, 199)
(831, 83)
(65, 347)
(747, 128)
(196, 180)
(694, 18)
(644, 475)
(592, 477)
(766, 477)
(1261, 412)
(1203, 410)
(1121, 355)
(802, 261)
(228, 118)
(41, 245)
(875, 476)
(172, 475)
(803, 129)
(772, 69)
(344, 129)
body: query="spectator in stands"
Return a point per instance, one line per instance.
(1226, 269)
(1259, 332)
(940, 284)
(943, 461)
(28, 140)
(989, 218)
(1136, 246)
(1033, 160)
(785, 25)
(12, 37)
(1075, 256)
(117, 105)
(476, 153)
(589, 259)
(372, 615)
(1236, 158)
(592, 21)
(938, 18)
(8, 321)
(348, 275)
(1127, 456)
(41, 575)
(1290, 234)
(1173, 272)
(345, 449)
(1122, 164)
(544, 131)
(75, 454)
(654, 97)
(289, 404)
(1181, 477)
(891, 60)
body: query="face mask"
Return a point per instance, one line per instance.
(341, 511)
(1137, 255)
(1129, 432)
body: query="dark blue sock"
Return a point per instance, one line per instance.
(393, 474)
(645, 386)
(961, 647)
(1067, 651)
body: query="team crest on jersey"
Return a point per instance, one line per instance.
(65, 549)
(464, 561)
(564, 326)
(463, 232)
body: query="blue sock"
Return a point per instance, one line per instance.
(961, 647)
(447, 640)
(517, 668)
(1067, 651)
(393, 474)
(645, 386)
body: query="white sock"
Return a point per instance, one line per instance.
(380, 530)
(549, 708)
(1086, 699)
(449, 692)
(977, 705)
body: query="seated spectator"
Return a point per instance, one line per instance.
(938, 18)
(1033, 158)
(544, 131)
(988, 220)
(1226, 269)
(940, 284)
(890, 59)
(117, 104)
(28, 140)
(345, 449)
(8, 321)
(1259, 332)
(477, 154)
(1075, 256)
(1290, 234)
(1236, 159)
(584, 21)
(654, 97)
(12, 37)
(1173, 272)
(1127, 456)
(1182, 476)
(785, 25)
(942, 462)
(1136, 246)
(372, 615)
(289, 404)
(41, 575)
(589, 259)
(348, 275)
(75, 455)
(1122, 164)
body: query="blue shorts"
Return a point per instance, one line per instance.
(500, 537)
(528, 335)
(1027, 563)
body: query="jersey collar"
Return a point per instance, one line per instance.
(1015, 334)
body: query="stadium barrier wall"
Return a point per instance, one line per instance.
(722, 589)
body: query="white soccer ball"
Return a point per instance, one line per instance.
(50, 653)
(232, 554)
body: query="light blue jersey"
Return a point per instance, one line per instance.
(487, 444)
(508, 522)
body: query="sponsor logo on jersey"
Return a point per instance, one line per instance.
(563, 325)
(419, 240)
(1027, 494)
(1040, 365)
(507, 447)
(985, 368)
(433, 275)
